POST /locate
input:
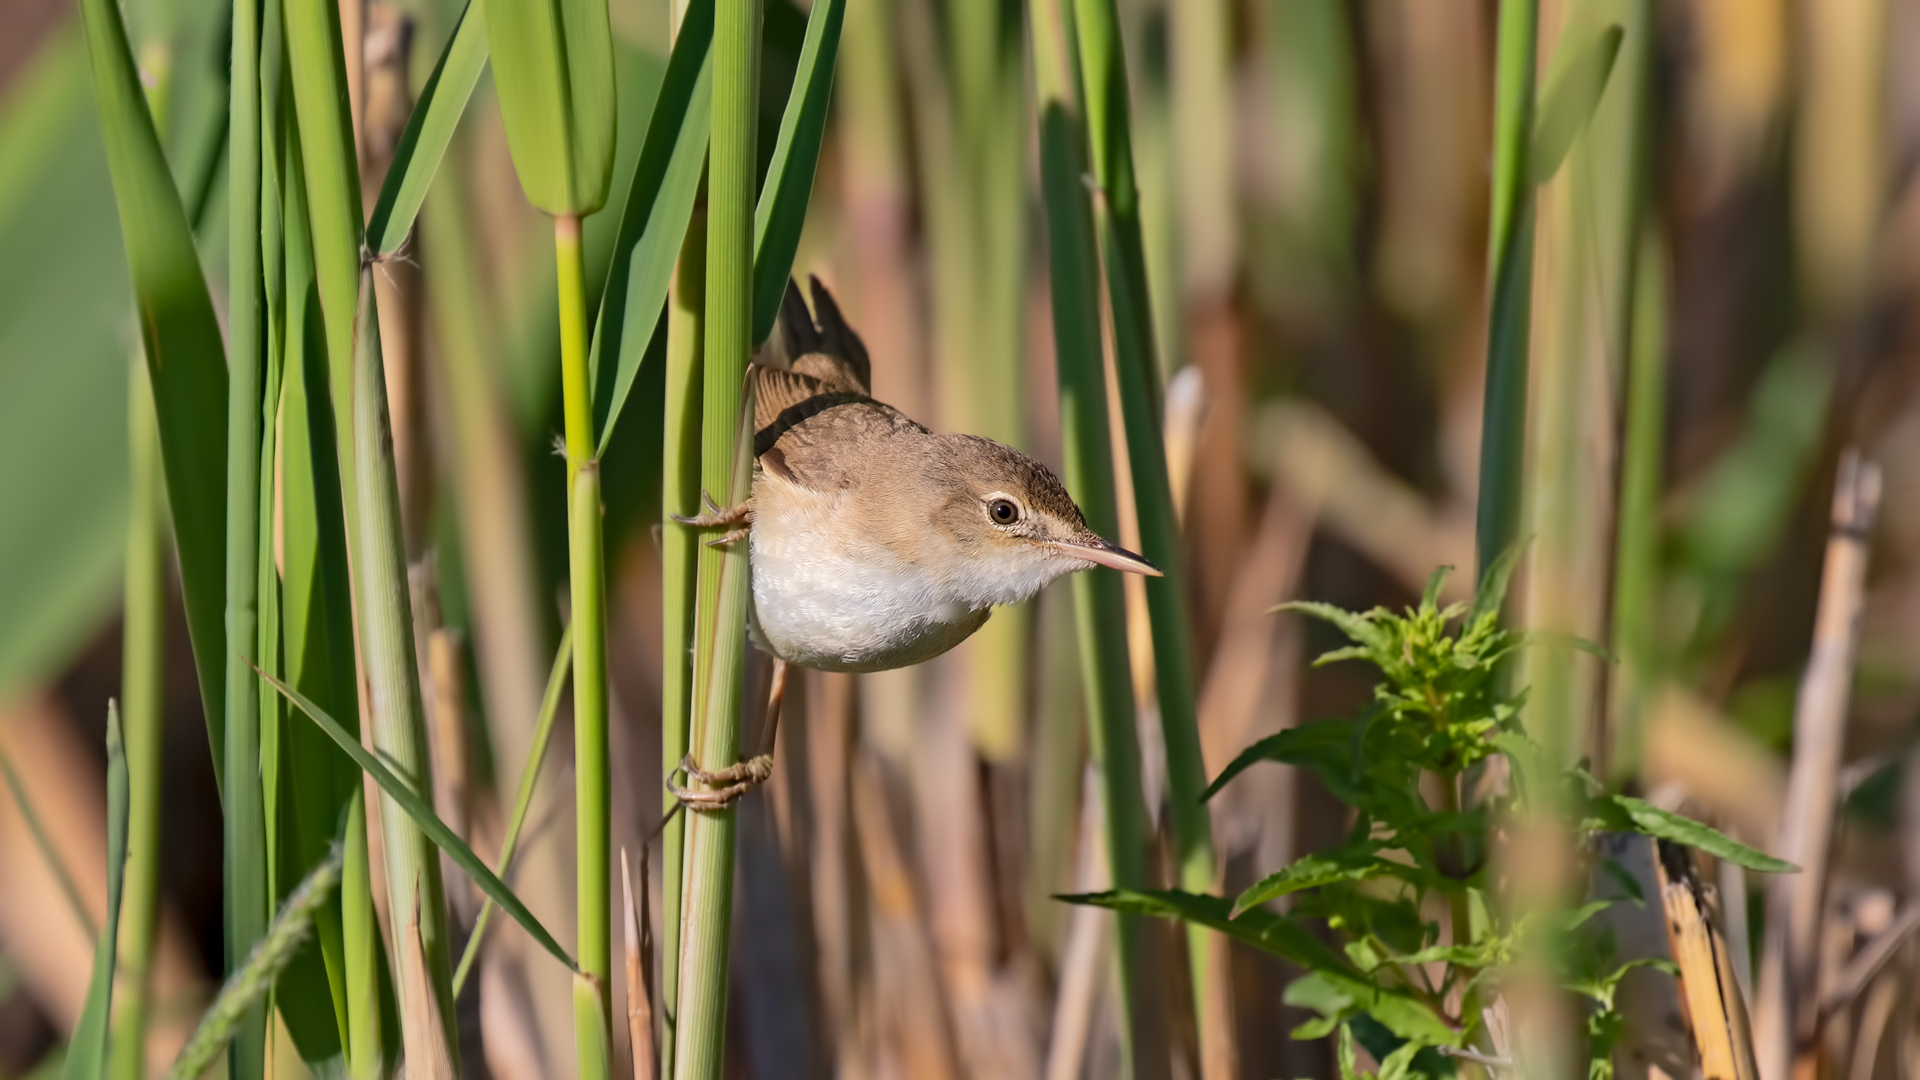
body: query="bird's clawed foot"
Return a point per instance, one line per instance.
(721, 788)
(716, 518)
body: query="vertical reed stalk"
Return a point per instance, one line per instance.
(679, 553)
(246, 902)
(586, 572)
(1510, 275)
(1103, 73)
(1637, 329)
(1086, 445)
(725, 464)
(141, 685)
(393, 688)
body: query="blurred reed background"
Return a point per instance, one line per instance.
(1724, 278)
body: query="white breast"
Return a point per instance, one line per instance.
(823, 598)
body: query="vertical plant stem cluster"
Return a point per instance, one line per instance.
(1103, 75)
(725, 461)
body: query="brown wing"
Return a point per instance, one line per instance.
(804, 428)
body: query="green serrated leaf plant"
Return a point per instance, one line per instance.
(1440, 723)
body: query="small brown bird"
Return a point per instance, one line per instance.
(876, 543)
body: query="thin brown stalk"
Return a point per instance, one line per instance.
(1788, 1015)
(639, 949)
(1715, 1011)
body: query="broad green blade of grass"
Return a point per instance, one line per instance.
(1086, 448)
(142, 683)
(416, 809)
(1104, 82)
(87, 1051)
(184, 351)
(246, 903)
(384, 612)
(1510, 273)
(523, 799)
(725, 470)
(245, 991)
(781, 213)
(553, 71)
(315, 57)
(443, 100)
(653, 220)
(317, 612)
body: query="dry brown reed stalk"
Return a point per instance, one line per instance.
(911, 1010)
(639, 957)
(1787, 1020)
(1716, 1014)
(1083, 957)
(829, 737)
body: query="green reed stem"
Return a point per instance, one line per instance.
(522, 801)
(142, 683)
(360, 939)
(1103, 74)
(725, 468)
(1086, 446)
(246, 902)
(679, 554)
(392, 673)
(1503, 429)
(593, 949)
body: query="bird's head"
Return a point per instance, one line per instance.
(1008, 526)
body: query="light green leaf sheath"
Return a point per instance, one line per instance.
(429, 823)
(553, 71)
(428, 132)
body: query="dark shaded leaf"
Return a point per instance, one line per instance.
(1625, 813)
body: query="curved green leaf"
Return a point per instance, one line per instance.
(429, 822)
(1293, 746)
(782, 210)
(1310, 872)
(553, 71)
(1283, 937)
(185, 353)
(1628, 814)
(1572, 95)
(653, 220)
(429, 130)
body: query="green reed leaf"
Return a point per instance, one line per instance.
(424, 142)
(429, 822)
(553, 71)
(1572, 96)
(185, 353)
(653, 219)
(781, 213)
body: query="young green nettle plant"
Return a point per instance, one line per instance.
(1409, 991)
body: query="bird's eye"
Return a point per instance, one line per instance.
(1003, 511)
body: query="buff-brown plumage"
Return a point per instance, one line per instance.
(875, 542)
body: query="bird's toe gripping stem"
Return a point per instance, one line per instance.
(735, 520)
(720, 788)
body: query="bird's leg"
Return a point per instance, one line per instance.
(725, 786)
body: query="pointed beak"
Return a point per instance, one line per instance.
(1101, 553)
